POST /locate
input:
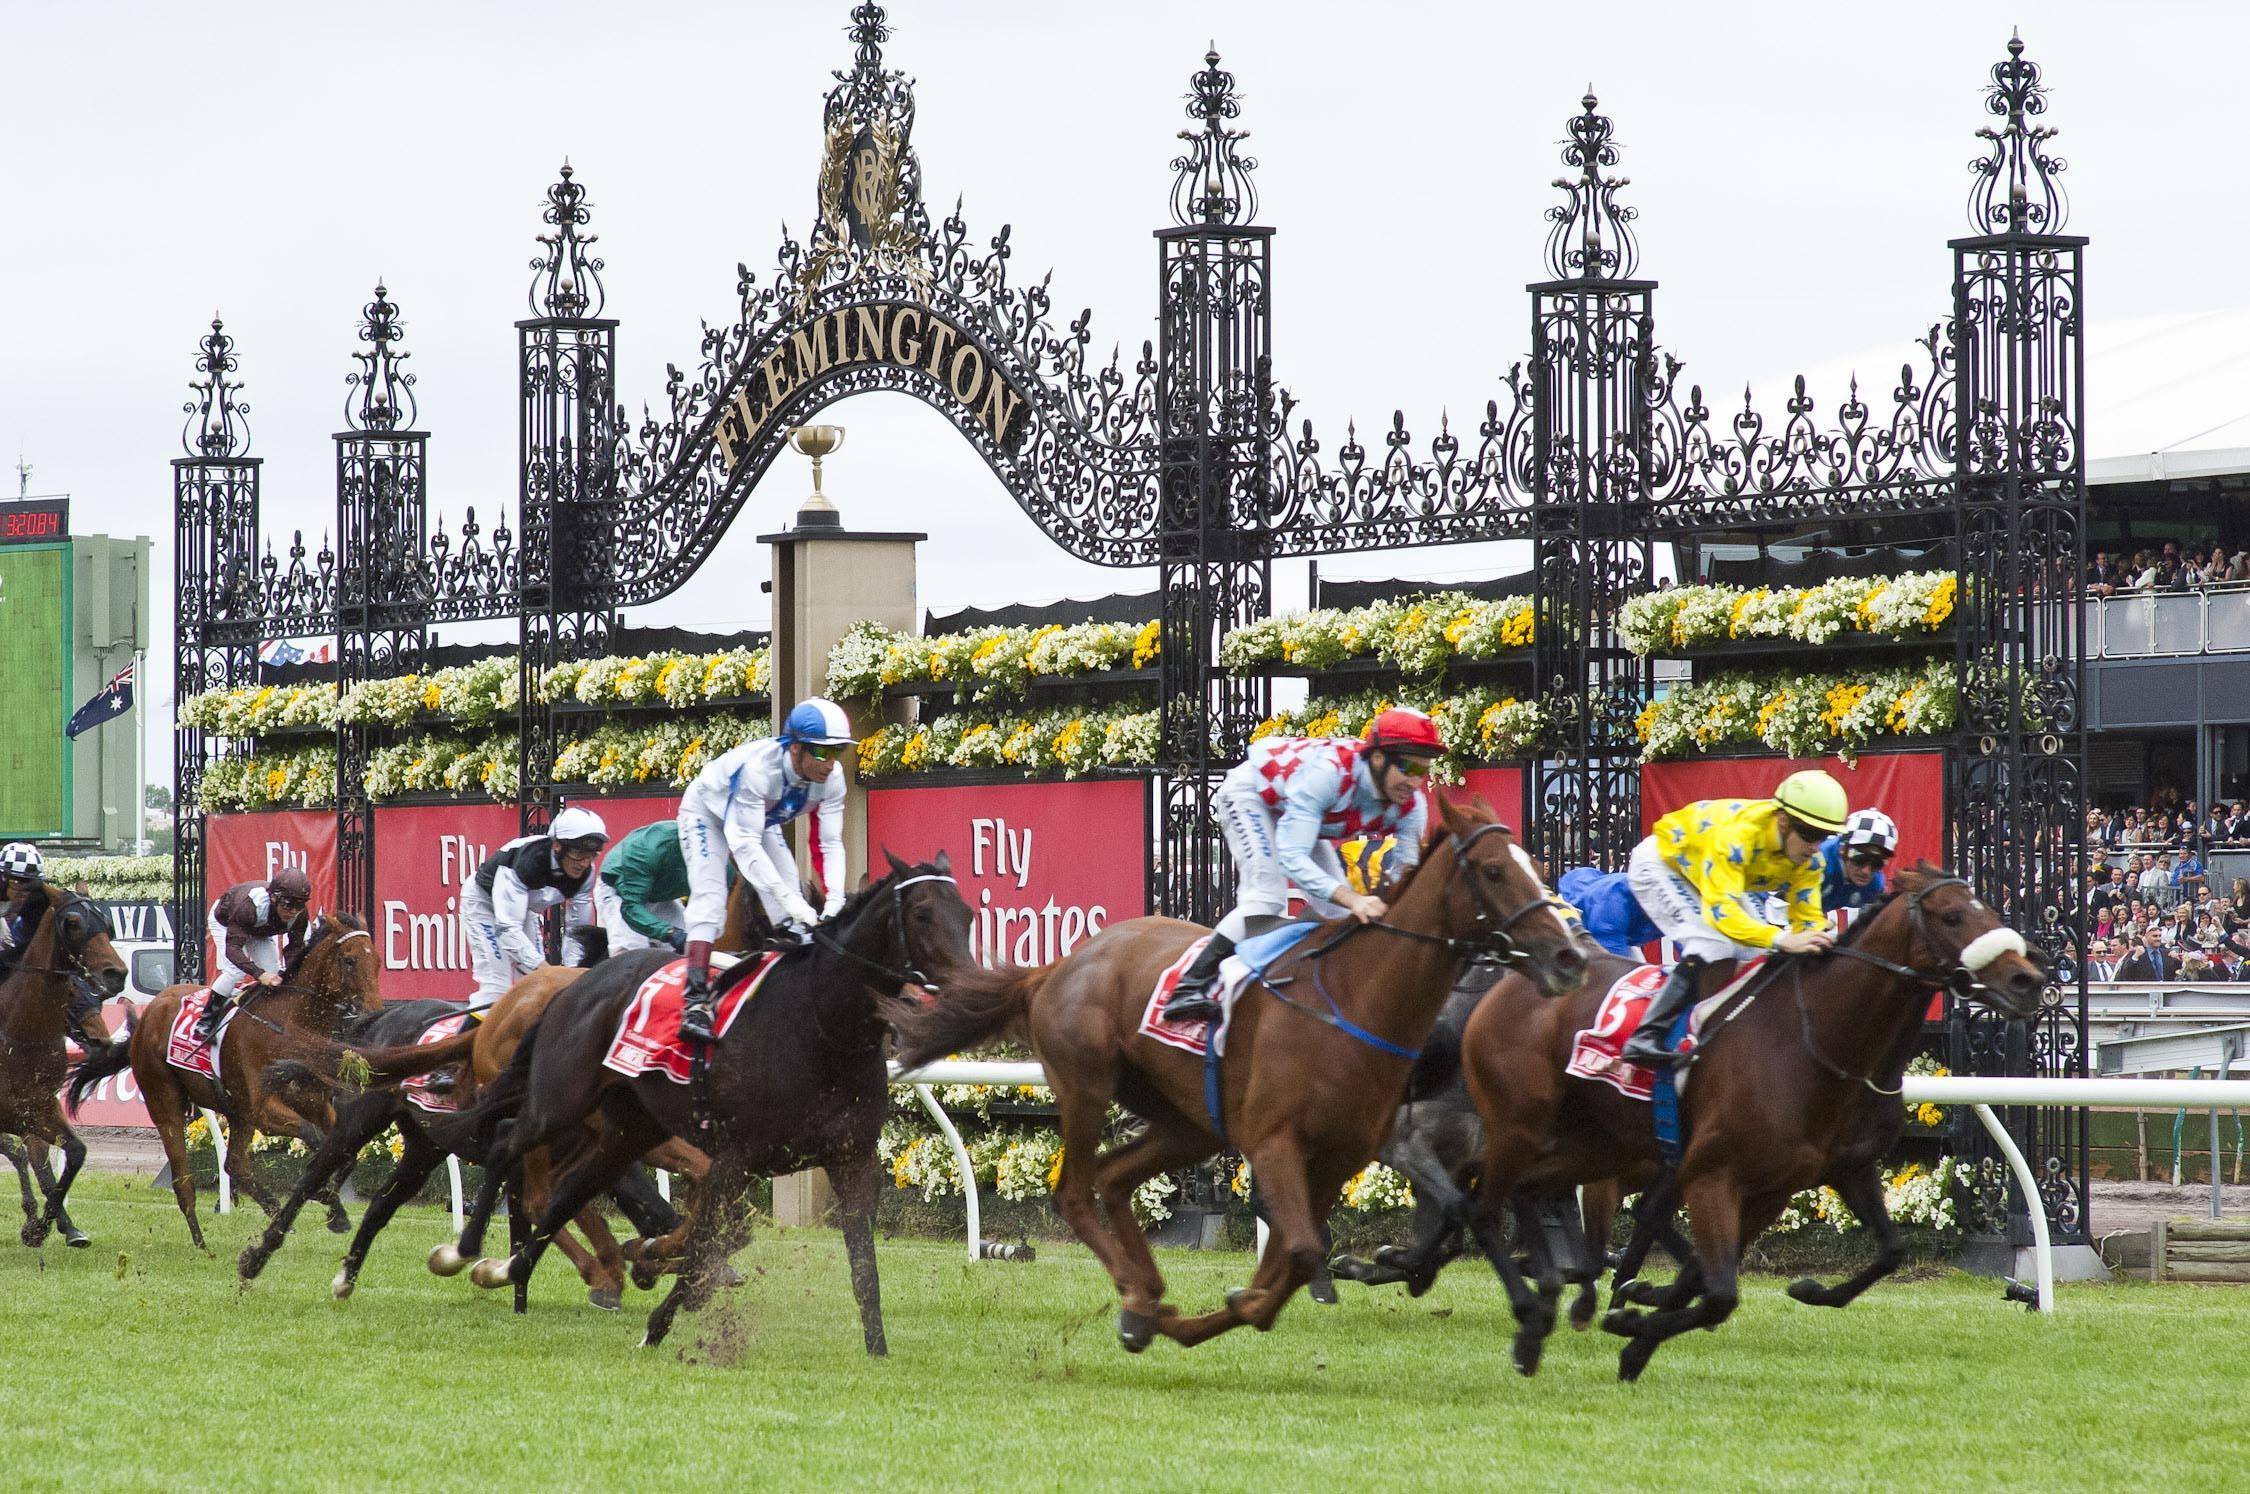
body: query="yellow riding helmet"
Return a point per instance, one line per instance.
(1814, 798)
(1364, 861)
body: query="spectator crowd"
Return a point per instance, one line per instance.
(2169, 568)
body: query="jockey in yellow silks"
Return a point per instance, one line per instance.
(1703, 875)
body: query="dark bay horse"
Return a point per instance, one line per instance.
(1306, 1101)
(1780, 1099)
(70, 940)
(797, 1081)
(334, 978)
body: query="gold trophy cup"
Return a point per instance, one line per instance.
(817, 441)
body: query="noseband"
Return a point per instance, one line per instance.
(1963, 973)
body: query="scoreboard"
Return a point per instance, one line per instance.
(34, 521)
(35, 602)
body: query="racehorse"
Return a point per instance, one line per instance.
(1780, 1100)
(1315, 1061)
(71, 939)
(333, 978)
(798, 1080)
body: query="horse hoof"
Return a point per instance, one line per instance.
(1526, 1351)
(341, 1286)
(1417, 1285)
(252, 1262)
(490, 1273)
(339, 1223)
(1622, 1321)
(605, 1299)
(1808, 1291)
(447, 1260)
(1235, 1301)
(76, 1238)
(1637, 1293)
(1135, 1330)
(1582, 1314)
(35, 1233)
(645, 1276)
(1323, 1291)
(1633, 1358)
(1394, 1256)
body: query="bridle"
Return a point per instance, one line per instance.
(1491, 943)
(912, 974)
(77, 957)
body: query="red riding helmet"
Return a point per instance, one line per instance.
(1404, 729)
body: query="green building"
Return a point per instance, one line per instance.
(74, 611)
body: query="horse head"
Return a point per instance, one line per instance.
(933, 923)
(338, 962)
(78, 936)
(1497, 902)
(1953, 930)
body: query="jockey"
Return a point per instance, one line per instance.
(1852, 861)
(1285, 808)
(735, 809)
(640, 895)
(504, 907)
(1699, 878)
(249, 922)
(22, 895)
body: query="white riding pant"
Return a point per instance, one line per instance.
(494, 967)
(609, 912)
(227, 978)
(1261, 888)
(703, 846)
(1675, 907)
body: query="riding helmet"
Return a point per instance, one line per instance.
(1871, 832)
(1404, 729)
(578, 829)
(19, 859)
(290, 883)
(817, 723)
(1813, 798)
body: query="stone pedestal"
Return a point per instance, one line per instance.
(825, 578)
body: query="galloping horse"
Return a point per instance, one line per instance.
(334, 977)
(72, 939)
(797, 1081)
(1316, 1056)
(1782, 1097)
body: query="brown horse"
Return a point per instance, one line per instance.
(1316, 1056)
(296, 1020)
(71, 939)
(1782, 1098)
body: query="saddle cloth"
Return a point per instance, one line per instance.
(183, 1050)
(1594, 1051)
(648, 1034)
(418, 1088)
(1252, 956)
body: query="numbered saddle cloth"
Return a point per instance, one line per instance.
(190, 1054)
(648, 1034)
(418, 1088)
(1253, 956)
(1594, 1052)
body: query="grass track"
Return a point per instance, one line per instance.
(140, 1364)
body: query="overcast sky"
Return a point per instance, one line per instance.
(1797, 169)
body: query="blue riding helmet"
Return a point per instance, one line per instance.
(817, 723)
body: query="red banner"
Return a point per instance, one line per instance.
(1042, 865)
(1907, 786)
(424, 856)
(242, 848)
(1502, 788)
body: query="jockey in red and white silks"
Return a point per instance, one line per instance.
(1285, 809)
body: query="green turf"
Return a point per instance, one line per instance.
(138, 1363)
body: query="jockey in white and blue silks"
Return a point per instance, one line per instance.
(735, 809)
(504, 906)
(1283, 811)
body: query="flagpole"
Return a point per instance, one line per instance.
(140, 753)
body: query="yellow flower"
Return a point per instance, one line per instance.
(1068, 737)
(1456, 629)
(1773, 708)
(1148, 644)
(433, 698)
(277, 779)
(1054, 1171)
(692, 758)
(1268, 727)
(902, 1165)
(1897, 717)
(916, 750)
(1867, 605)
(1516, 631)
(1646, 721)
(664, 675)
(1322, 726)
(1941, 602)
(1928, 1115)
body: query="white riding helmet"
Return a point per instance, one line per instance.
(20, 858)
(1871, 830)
(818, 723)
(578, 829)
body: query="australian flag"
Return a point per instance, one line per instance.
(115, 699)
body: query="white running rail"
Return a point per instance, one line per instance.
(1979, 1094)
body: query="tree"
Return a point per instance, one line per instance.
(157, 797)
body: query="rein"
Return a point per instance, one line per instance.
(1918, 929)
(912, 975)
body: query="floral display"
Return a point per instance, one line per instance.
(483, 766)
(654, 752)
(1071, 740)
(985, 663)
(1926, 1067)
(1415, 635)
(674, 679)
(488, 690)
(1479, 725)
(1688, 617)
(255, 709)
(117, 879)
(1912, 1195)
(305, 778)
(1800, 715)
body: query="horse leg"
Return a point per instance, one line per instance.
(598, 1167)
(1716, 1210)
(853, 1178)
(1080, 1118)
(602, 1270)
(1652, 1222)
(58, 1189)
(1535, 1319)
(1438, 1205)
(415, 1164)
(1292, 1254)
(167, 1107)
(1862, 1191)
(448, 1258)
(1166, 1144)
(1597, 1217)
(721, 1194)
(336, 1152)
(13, 1149)
(244, 1173)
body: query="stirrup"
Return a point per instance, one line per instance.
(696, 1024)
(1191, 1006)
(1651, 1055)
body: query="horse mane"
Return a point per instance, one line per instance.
(1921, 871)
(857, 902)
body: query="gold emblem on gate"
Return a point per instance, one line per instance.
(863, 227)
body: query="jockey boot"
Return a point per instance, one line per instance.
(695, 1008)
(1191, 1000)
(1648, 1045)
(207, 1025)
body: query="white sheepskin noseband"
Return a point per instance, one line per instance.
(1990, 946)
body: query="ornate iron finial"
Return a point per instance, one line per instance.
(566, 280)
(869, 30)
(2016, 190)
(1592, 237)
(870, 219)
(383, 392)
(218, 424)
(1211, 182)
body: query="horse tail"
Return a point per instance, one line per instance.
(405, 1060)
(97, 1065)
(470, 1129)
(975, 1006)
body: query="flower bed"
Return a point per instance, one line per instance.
(114, 879)
(1071, 740)
(670, 753)
(445, 765)
(1417, 635)
(1480, 724)
(260, 708)
(1916, 605)
(268, 780)
(985, 663)
(673, 679)
(1800, 715)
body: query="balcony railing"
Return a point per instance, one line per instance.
(2144, 625)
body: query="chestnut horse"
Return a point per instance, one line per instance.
(1783, 1096)
(1316, 1056)
(334, 978)
(71, 939)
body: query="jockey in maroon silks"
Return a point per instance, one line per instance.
(1285, 809)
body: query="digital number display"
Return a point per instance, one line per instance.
(35, 522)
